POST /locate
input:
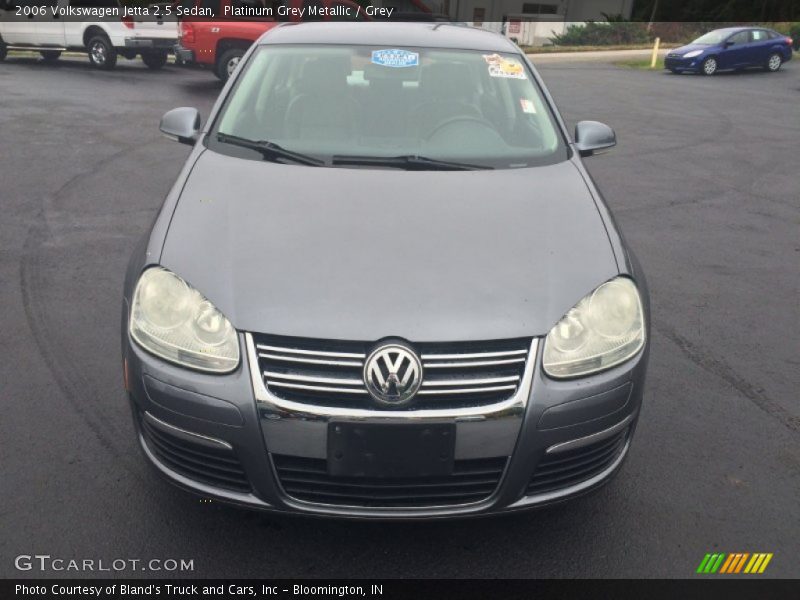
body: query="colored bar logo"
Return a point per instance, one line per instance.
(737, 562)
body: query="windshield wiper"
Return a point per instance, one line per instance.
(410, 162)
(270, 150)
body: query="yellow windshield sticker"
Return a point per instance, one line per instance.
(508, 68)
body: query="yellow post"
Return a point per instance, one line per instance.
(654, 58)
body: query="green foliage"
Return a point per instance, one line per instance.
(613, 32)
(618, 32)
(740, 11)
(794, 33)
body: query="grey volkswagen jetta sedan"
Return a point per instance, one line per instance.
(385, 286)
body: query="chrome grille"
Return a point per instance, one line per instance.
(329, 372)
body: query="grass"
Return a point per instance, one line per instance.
(641, 63)
(550, 49)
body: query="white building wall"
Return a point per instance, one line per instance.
(592, 10)
(535, 29)
(533, 33)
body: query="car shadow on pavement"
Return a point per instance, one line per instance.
(208, 85)
(737, 73)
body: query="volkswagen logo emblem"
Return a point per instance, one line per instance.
(393, 374)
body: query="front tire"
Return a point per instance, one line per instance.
(155, 59)
(709, 66)
(227, 63)
(102, 55)
(50, 56)
(774, 62)
(3, 50)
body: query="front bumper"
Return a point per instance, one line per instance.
(678, 63)
(554, 439)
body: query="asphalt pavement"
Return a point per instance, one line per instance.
(704, 186)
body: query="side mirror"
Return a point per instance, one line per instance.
(181, 124)
(592, 136)
(728, 43)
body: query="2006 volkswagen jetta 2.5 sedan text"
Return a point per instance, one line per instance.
(384, 285)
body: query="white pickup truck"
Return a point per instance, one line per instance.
(51, 27)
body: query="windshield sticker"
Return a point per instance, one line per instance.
(527, 106)
(395, 58)
(507, 68)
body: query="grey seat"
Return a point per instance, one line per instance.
(323, 108)
(385, 96)
(448, 92)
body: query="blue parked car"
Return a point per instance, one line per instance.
(731, 48)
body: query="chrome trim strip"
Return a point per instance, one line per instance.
(472, 355)
(186, 435)
(495, 388)
(311, 352)
(467, 381)
(36, 48)
(517, 401)
(313, 361)
(589, 439)
(574, 489)
(311, 378)
(316, 388)
(464, 365)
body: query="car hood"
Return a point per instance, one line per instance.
(689, 47)
(363, 254)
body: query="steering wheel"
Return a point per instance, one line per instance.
(461, 119)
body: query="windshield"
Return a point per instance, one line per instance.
(347, 106)
(712, 38)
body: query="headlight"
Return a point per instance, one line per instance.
(602, 330)
(173, 321)
(692, 54)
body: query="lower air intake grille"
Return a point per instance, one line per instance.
(565, 469)
(218, 468)
(307, 479)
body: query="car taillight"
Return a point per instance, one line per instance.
(187, 32)
(128, 22)
(789, 41)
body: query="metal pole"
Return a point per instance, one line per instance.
(654, 58)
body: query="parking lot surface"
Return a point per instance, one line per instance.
(704, 186)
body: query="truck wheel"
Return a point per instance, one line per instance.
(154, 59)
(102, 55)
(50, 56)
(227, 63)
(3, 50)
